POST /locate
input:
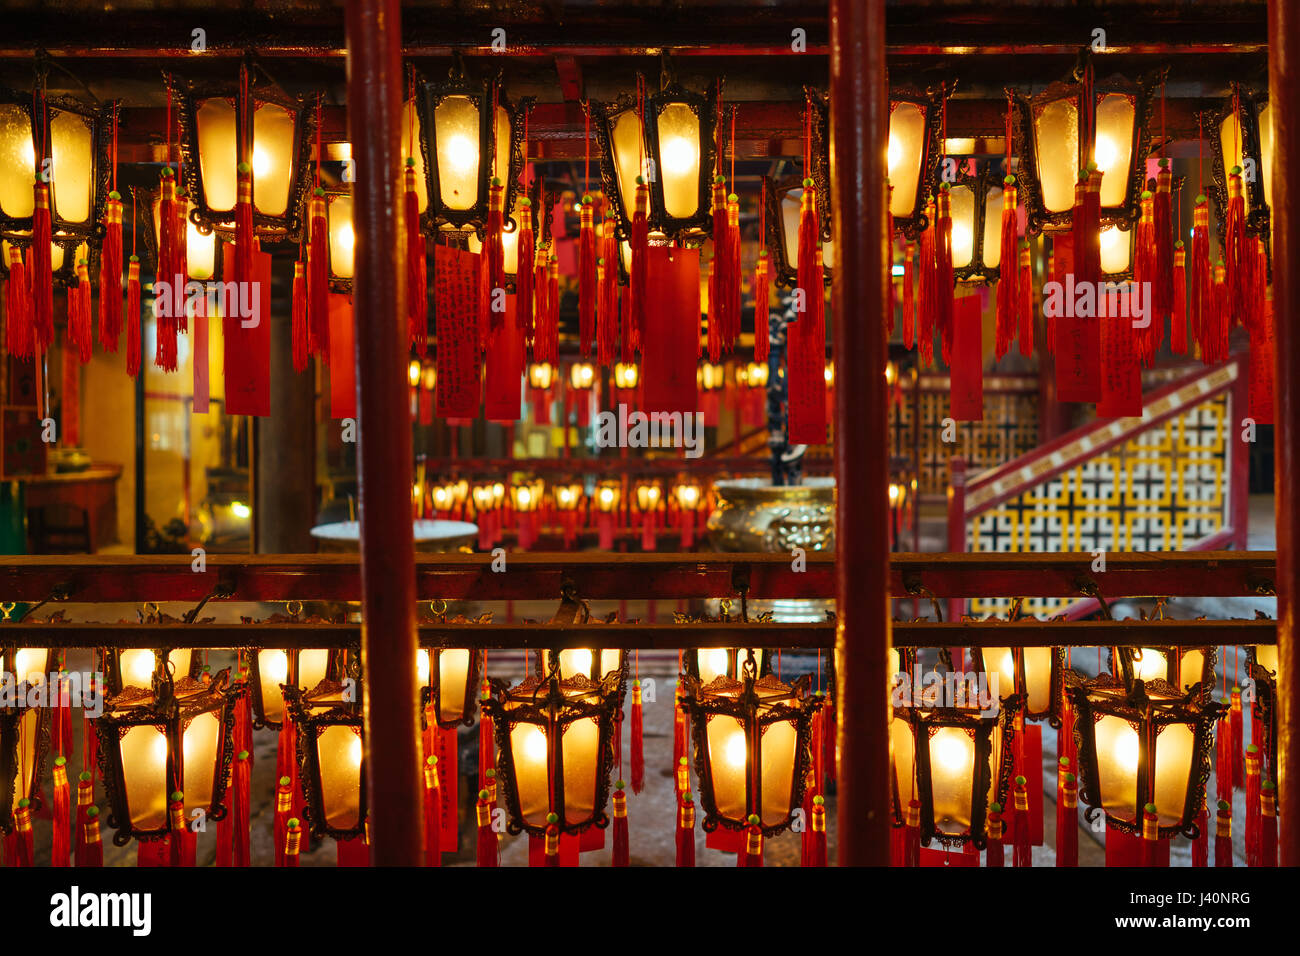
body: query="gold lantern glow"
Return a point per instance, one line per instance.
(1168, 671)
(1241, 135)
(567, 497)
(177, 735)
(541, 375)
(751, 747)
(626, 375)
(710, 376)
(466, 144)
(200, 244)
(1036, 675)
(140, 667)
(271, 669)
(24, 730)
(331, 757)
(582, 376)
(1143, 744)
(1261, 665)
(342, 240)
(1051, 151)
(67, 147)
(272, 133)
(449, 679)
(975, 203)
(554, 744)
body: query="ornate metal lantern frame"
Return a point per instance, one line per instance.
(293, 662)
(1148, 716)
(993, 763)
(65, 234)
(551, 705)
(1264, 707)
(704, 107)
(17, 722)
(982, 656)
(981, 184)
(755, 703)
(1029, 182)
(784, 272)
(431, 692)
(170, 706)
(314, 711)
(479, 92)
(1124, 662)
(1250, 104)
(289, 225)
(115, 679)
(931, 102)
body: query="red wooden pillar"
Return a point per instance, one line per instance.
(1284, 99)
(388, 642)
(859, 124)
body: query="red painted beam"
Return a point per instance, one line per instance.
(1284, 100)
(859, 125)
(388, 643)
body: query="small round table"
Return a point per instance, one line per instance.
(431, 535)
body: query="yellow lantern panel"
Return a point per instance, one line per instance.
(456, 120)
(17, 162)
(501, 154)
(509, 245)
(1056, 138)
(200, 250)
(1191, 668)
(144, 758)
(1116, 250)
(903, 760)
(679, 160)
(952, 768)
(992, 229)
(729, 761)
(341, 237)
(313, 665)
(218, 152)
(57, 255)
(628, 146)
(779, 750)
(339, 751)
(1266, 657)
(1001, 661)
(712, 663)
(528, 748)
(272, 671)
(200, 742)
(453, 674)
(26, 755)
(72, 188)
(1118, 753)
(272, 161)
(580, 746)
(1232, 146)
(961, 204)
(1113, 146)
(905, 151)
(137, 666)
(30, 664)
(1266, 148)
(1174, 752)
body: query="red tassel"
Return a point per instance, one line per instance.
(1267, 824)
(1223, 835)
(241, 776)
(1178, 317)
(280, 821)
(93, 854)
(181, 257)
(1091, 254)
(432, 813)
(817, 844)
(1235, 721)
(1049, 329)
(762, 300)
(943, 273)
(909, 296)
(1162, 287)
(167, 269)
(85, 800)
(84, 309)
(1020, 838)
(1201, 845)
(417, 291)
(292, 841)
(1151, 855)
(1258, 284)
(729, 291)
(638, 757)
(830, 751)
(586, 277)
(1223, 759)
(1026, 293)
(607, 296)
(110, 275)
(1008, 298)
(912, 839)
(686, 831)
(1236, 256)
(176, 843)
(1144, 271)
(18, 308)
(524, 259)
(494, 252)
(753, 855)
(552, 845)
(298, 318)
(679, 746)
(1253, 857)
(1202, 302)
(640, 243)
(712, 320)
(41, 273)
(59, 848)
(1067, 822)
(927, 302)
(620, 826)
(318, 281)
(354, 852)
(996, 856)
(487, 840)
(133, 317)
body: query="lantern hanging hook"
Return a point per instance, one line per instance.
(221, 590)
(438, 608)
(1089, 587)
(294, 608)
